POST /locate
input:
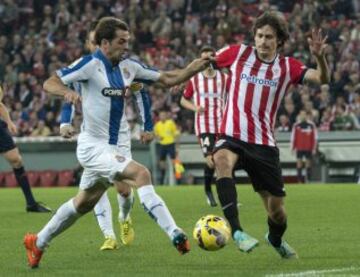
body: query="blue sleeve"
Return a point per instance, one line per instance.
(67, 111)
(143, 101)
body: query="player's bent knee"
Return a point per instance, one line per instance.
(143, 177)
(221, 161)
(278, 215)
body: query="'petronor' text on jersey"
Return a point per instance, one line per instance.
(258, 81)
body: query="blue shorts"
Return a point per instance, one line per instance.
(167, 149)
(6, 141)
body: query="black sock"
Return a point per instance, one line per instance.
(228, 198)
(208, 174)
(308, 173)
(162, 176)
(276, 231)
(299, 174)
(23, 181)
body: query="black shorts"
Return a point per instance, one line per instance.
(207, 143)
(261, 162)
(303, 154)
(167, 149)
(6, 141)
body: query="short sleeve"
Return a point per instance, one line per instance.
(145, 74)
(189, 90)
(297, 71)
(226, 56)
(80, 70)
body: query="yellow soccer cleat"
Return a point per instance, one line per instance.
(109, 244)
(127, 233)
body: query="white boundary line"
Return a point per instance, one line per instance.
(314, 272)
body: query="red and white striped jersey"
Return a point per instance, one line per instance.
(255, 92)
(304, 136)
(209, 93)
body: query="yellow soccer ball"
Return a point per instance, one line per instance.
(211, 232)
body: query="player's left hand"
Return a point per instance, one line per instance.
(72, 97)
(317, 43)
(12, 128)
(146, 137)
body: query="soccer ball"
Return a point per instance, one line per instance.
(211, 232)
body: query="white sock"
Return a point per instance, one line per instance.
(156, 208)
(125, 205)
(103, 214)
(64, 217)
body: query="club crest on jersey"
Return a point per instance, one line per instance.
(119, 158)
(110, 92)
(126, 73)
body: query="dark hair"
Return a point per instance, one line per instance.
(275, 22)
(107, 27)
(207, 48)
(93, 25)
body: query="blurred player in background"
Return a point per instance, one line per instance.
(125, 196)
(105, 75)
(207, 90)
(11, 153)
(166, 132)
(304, 144)
(259, 78)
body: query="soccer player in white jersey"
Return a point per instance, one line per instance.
(205, 95)
(259, 78)
(125, 196)
(105, 76)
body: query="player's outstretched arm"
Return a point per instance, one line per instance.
(4, 114)
(317, 44)
(55, 86)
(176, 77)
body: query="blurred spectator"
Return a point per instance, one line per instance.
(38, 37)
(41, 130)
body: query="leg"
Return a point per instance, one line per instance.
(125, 198)
(64, 217)
(103, 214)
(154, 205)
(299, 166)
(224, 163)
(308, 168)
(15, 160)
(209, 174)
(277, 222)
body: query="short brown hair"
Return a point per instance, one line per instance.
(207, 48)
(107, 27)
(275, 22)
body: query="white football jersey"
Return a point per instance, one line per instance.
(102, 88)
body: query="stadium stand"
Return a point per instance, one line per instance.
(38, 36)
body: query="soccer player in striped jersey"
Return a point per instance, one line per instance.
(259, 78)
(105, 75)
(205, 95)
(12, 155)
(125, 194)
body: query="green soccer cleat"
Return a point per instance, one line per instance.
(127, 232)
(245, 242)
(284, 250)
(180, 241)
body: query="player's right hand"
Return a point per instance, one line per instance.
(67, 131)
(72, 96)
(200, 109)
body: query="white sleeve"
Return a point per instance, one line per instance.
(145, 74)
(80, 70)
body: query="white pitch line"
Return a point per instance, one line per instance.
(314, 272)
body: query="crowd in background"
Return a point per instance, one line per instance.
(39, 36)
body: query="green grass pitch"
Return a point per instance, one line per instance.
(324, 227)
